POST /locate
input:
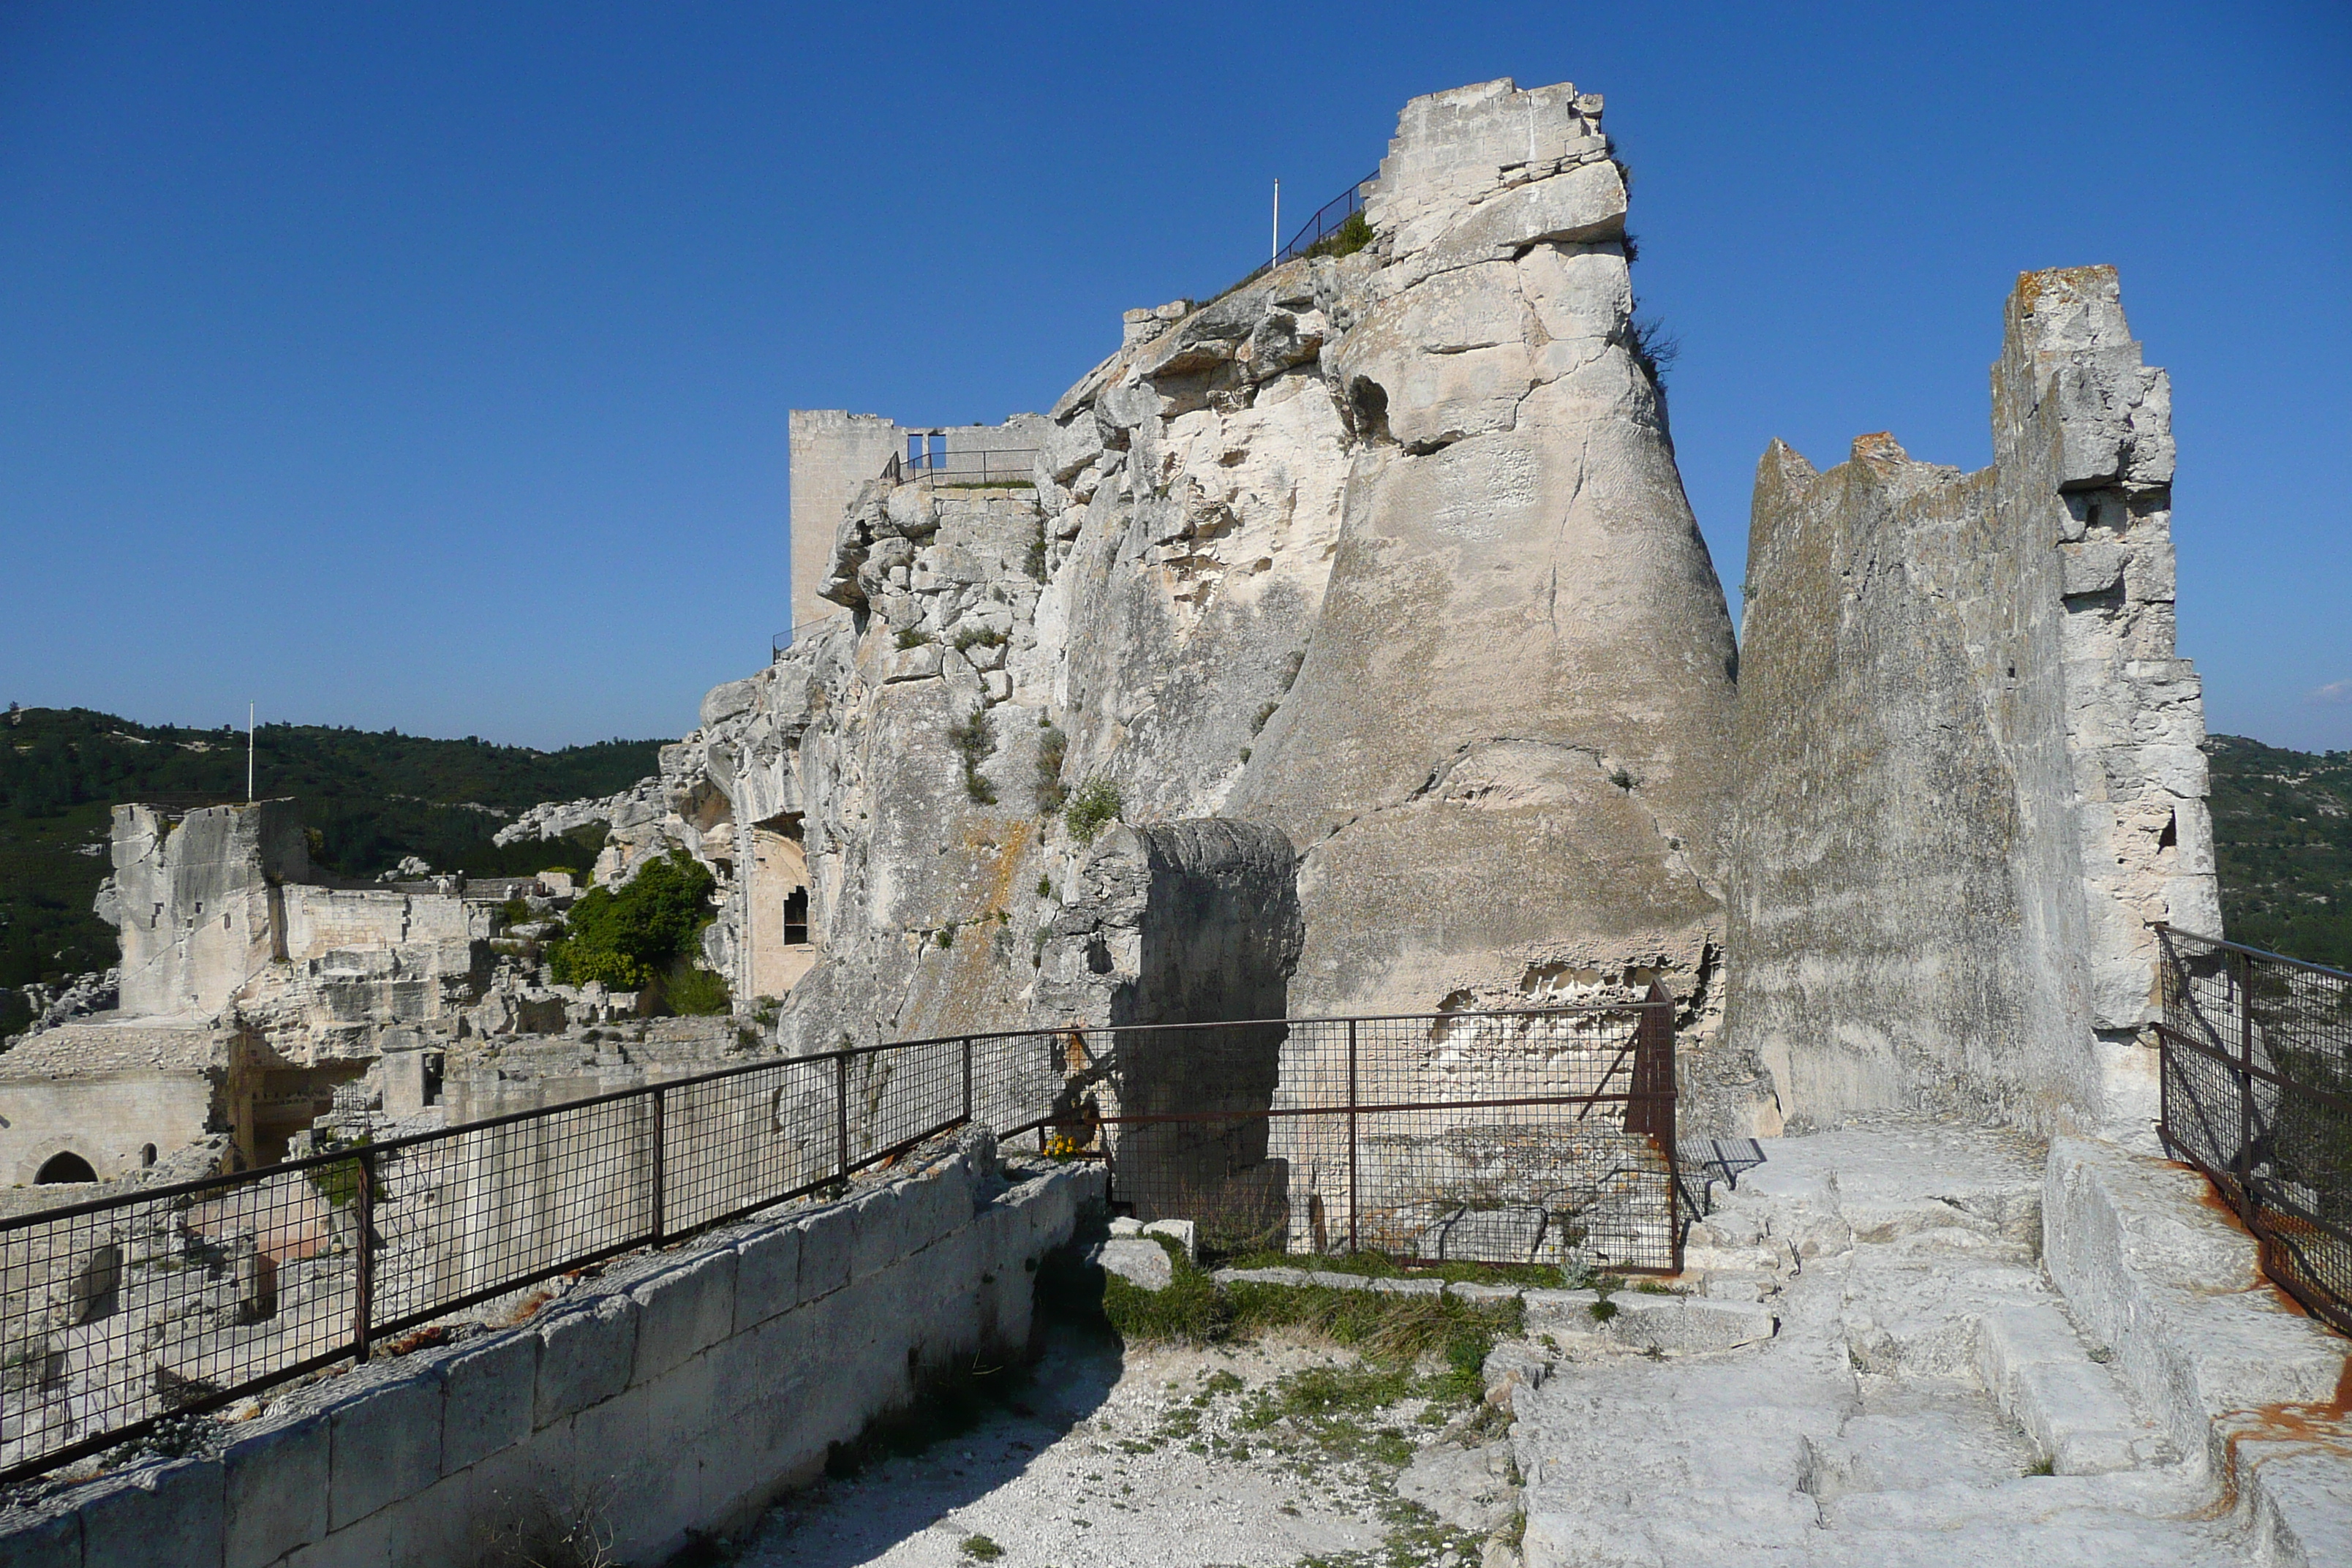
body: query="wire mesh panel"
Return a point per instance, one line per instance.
(1540, 1137)
(115, 1314)
(2257, 1073)
(1496, 1137)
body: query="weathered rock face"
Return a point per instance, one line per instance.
(1386, 551)
(1503, 757)
(1968, 769)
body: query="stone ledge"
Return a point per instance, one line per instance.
(2236, 1376)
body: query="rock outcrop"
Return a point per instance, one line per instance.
(1969, 776)
(1384, 550)
(1503, 758)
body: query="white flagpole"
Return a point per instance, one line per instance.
(248, 754)
(1273, 251)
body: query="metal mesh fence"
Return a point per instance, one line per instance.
(1532, 1137)
(2257, 1074)
(1493, 1137)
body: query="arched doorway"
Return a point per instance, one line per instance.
(67, 1166)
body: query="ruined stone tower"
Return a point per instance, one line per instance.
(1969, 778)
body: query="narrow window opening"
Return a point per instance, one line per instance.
(2170, 837)
(797, 921)
(146, 1156)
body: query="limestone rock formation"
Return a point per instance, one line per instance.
(1385, 550)
(1969, 780)
(1503, 758)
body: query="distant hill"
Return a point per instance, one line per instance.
(2283, 842)
(369, 797)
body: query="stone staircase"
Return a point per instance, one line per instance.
(1928, 1396)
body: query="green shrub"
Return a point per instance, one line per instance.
(624, 939)
(1094, 807)
(913, 637)
(975, 739)
(697, 992)
(1053, 749)
(339, 1183)
(1349, 238)
(979, 637)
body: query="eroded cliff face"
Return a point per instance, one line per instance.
(1969, 776)
(1503, 758)
(1385, 550)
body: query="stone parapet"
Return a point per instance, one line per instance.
(678, 1395)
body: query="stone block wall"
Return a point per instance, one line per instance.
(682, 1393)
(833, 452)
(192, 896)
(320, 920)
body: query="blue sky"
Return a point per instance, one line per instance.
(427, 366)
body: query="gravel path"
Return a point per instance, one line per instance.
(1138, 1459)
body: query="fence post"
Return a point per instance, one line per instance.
(967, 1078)
(2246, 1160)
(661, 1168)
(840, 1113)
(363, 1280)
(1662, 1019)
(1355, 1199)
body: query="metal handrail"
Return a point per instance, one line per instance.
(390, 1290)
(1325, 220)
(779, 644)
(2261, 952)
(1016, 464)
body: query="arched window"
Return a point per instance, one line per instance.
(64, 1167)
(146, 1156)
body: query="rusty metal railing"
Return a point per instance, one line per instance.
(2257, 1094)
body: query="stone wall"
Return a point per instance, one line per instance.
(321, 920)
(681, 1393)
(1968, 777)
(118, 1095)
(192, 896)
(833, 452)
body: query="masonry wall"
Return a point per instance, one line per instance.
(683, 1395)
(833, 452)
(321, 919)
(110, 1121)
(192, 896)
(1968, 774)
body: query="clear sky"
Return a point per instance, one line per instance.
(427, 365)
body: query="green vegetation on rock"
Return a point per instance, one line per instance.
(1094, 807)
(645, 932)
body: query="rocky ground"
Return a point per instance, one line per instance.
(1279, 1452)
(1872, 1367)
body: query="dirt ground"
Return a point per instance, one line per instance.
(1278, 1452)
